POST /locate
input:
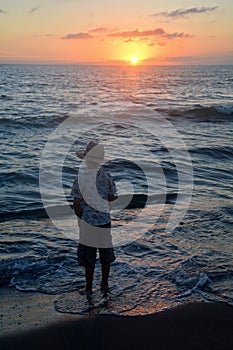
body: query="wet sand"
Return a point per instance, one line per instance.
(29, 321)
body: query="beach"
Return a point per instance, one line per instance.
(29, 321)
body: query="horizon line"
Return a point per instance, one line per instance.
(111, 64)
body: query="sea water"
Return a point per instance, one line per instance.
(168, 138)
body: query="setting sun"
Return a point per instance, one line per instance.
(134, 60)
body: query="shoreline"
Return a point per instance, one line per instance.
(22, 311)
(29, 321)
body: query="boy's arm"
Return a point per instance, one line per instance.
(112, 195)
(111, 198)
(77, 207)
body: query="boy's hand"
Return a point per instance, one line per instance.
(77, 207)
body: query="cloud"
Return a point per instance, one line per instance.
(151, 44)
(2, 11)
(139, 33)
(177, 35)
(185, 12)
(130, 35)
(34, 9)
(99, 29)
(159, 43)
(78, 36)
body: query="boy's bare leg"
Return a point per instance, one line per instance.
(105, 275)
(89, 278)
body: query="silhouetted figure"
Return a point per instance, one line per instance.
(93, 191)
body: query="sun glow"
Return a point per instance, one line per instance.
(134, 60)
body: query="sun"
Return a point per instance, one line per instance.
(134, 60)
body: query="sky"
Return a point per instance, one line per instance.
(148, 32)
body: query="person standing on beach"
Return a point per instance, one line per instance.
(93, 191)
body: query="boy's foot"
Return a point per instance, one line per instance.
(86, 292)
(104, 292)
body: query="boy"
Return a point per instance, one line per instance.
(93, 191)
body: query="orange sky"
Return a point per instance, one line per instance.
(104, 32)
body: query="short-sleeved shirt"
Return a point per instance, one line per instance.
(93, 189)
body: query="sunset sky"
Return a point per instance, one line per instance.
(116, 32)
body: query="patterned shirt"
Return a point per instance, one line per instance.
(93, 189)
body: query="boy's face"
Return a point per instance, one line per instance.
(91, 165)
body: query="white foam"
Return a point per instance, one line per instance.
(224, 109)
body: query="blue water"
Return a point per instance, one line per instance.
(128, 108)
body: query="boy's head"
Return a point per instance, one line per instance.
(93, 155)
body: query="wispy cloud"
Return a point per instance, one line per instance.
(138, 33)
(34, 9)
(128, 40)
(78, 36)
(177, 35)
(98, 30)
(147, 36)
(159, 43)
(159, 32)
(2, 11)
(186, 12)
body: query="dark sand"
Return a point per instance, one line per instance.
(192, 326)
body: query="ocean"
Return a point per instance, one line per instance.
(167, 132)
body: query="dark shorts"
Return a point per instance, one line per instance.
(87, 254)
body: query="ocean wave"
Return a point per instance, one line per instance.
(157, 269)
(197, 113)
(42, 274)
(200, 113)
(220, 152)
(43, 121)
(139, 201)
(19, 176)
(23, 214)
(56, 271)
(224, 109)
(6, 97)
